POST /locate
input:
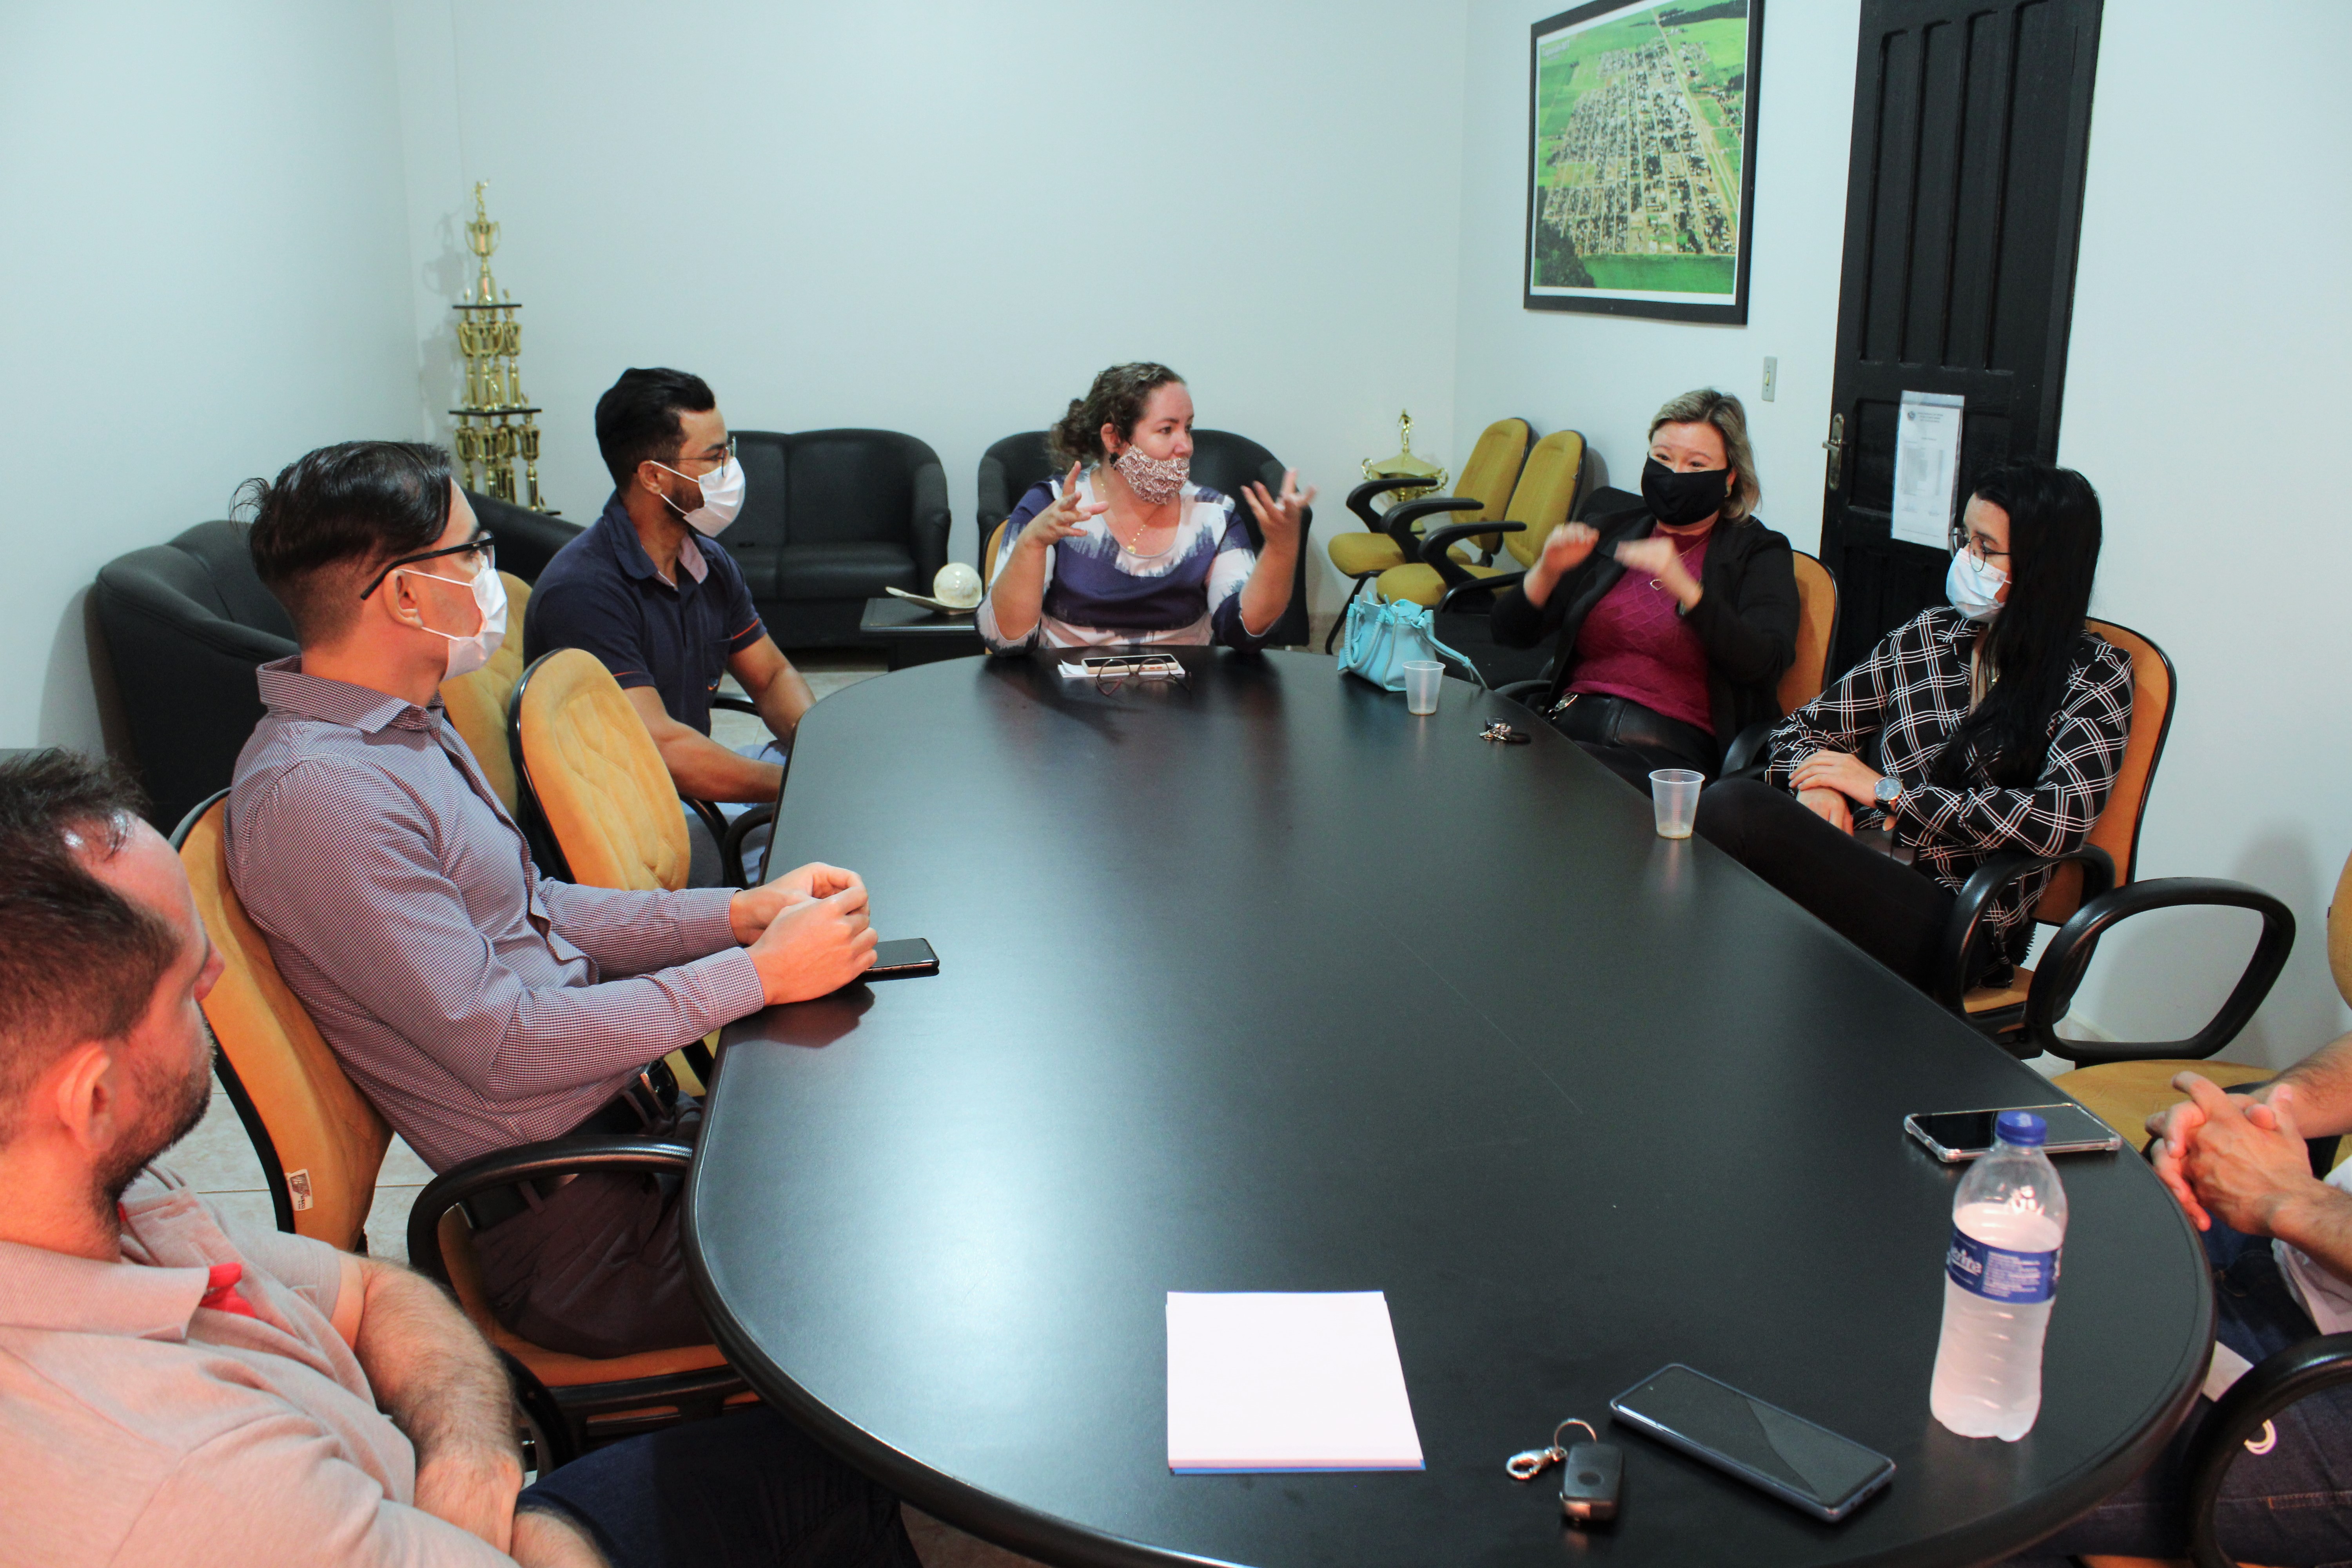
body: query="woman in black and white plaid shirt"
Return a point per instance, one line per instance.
(2000, 721)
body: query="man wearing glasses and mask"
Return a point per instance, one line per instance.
(476, 1004)
(649, 589)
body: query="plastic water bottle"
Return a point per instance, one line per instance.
(2000, 1275)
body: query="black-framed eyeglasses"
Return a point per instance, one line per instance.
(1963, 539)
(726, 455)
(482, 546)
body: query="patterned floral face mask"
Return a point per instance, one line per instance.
(1154, 480)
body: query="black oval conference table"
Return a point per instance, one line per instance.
(1263, 985)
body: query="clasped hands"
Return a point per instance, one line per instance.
(1826, 781)
(807, 930)
(2238, 1156)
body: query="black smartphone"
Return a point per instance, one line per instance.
(1953, 1136)
(1801, 1464)
(898, 960)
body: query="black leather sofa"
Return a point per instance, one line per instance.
(1221, 461)
(830, 519)
(186, 622)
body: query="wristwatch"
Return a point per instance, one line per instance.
(1886, 792)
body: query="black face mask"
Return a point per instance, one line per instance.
(1680, 499)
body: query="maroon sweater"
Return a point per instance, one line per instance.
(1634, 646)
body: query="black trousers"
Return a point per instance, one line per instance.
(1890, 910)
(742, 1488)
(599, 1267)
(1632, 740)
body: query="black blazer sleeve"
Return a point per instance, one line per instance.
(1515, 623)
(1751, 635)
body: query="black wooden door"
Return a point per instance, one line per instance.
(1964, 200)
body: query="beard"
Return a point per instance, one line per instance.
(172, 1104)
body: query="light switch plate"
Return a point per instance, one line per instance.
(1772, 377)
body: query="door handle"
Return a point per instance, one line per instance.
(1835, 447)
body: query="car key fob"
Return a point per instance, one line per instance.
(1589, 1479)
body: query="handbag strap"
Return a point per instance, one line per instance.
(1429, 631)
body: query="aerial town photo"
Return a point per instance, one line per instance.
(1641, 119)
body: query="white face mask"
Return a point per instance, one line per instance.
(1972, 587)
(468, 654)
(722, 499)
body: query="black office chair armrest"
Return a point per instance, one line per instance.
(1500, 583)
(2068, 958)
(542, 1415)
(527, 1161)
(1968, 929)
(714, 821)
(1398, 523)
(1437, 542)
(730, 846)
(734, 704)
(1360, 499)
(2294, 1374)
(1523, 692)
(1748, 751)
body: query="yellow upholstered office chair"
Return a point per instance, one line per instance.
(1544, 497)
(477, 703)
(1487, 481)
(2093, 891)
(2125, 1094)
(322, 1146)
(1808, 673)
(583, 757)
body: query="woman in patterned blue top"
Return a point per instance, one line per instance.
(1123, 549)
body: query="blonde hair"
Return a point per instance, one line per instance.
(1720, 409)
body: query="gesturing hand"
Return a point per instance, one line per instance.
(1829, 806)
(1565, 549)
(1063, 517)
(815, 947)
(1658, 558)
(1848, 775)
(750, 911)
(1278, 516)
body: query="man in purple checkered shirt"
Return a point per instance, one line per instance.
(476, 1004)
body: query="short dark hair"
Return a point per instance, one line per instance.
(1116, 399)
(332, 518)
(78, 959)
(637, 417)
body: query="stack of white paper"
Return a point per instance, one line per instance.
(1287, 1381)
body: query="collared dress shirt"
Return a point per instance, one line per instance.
(1909, 696)
(474, 1002)
(194, 1405)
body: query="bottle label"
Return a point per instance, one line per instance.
(1999, 1275)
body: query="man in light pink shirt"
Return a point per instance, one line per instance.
(173, 1392)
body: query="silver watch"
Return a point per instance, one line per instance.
(1886, 792)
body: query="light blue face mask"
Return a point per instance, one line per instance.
(1971, 586)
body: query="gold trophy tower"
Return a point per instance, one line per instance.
(1406, 463)
(495, 426)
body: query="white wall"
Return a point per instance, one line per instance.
(945, 218)
(202, 265)
(2205, 397)
(1606, 376)
(2202, 398)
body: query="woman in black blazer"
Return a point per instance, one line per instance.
(1674, 622)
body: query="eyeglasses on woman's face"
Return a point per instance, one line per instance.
(476, 556)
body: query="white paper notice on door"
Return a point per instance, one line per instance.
(1286, 1381)
(1926, 464)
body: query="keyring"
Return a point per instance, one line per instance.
(1533, 1462)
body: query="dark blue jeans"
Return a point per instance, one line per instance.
(2292, 1505)
(744, 1489)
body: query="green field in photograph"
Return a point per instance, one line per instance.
(1664, 274)
(1560, 82)
(1724, 41)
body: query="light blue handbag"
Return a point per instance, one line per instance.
(1380, 638)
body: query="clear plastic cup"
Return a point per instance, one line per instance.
(1674, 797)
(1420, 682)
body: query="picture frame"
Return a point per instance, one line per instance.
(1640, 177)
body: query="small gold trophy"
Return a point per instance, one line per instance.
(1405, 465)
(496, 425)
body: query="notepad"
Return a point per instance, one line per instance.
(1286, 1381)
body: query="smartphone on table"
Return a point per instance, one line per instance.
(1804, 1465)
(1954, 1136)
(901, 959)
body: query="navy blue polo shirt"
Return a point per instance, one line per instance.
(600, 592)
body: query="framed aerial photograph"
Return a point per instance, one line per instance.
(1641, 158)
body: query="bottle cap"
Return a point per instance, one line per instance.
(2022, 1128)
